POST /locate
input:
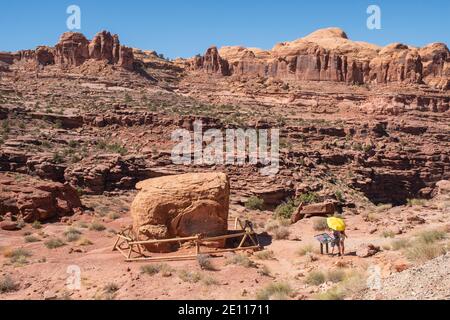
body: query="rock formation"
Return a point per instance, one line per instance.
(74, 49)
(328, 55)
(181, 206)
(35, 200)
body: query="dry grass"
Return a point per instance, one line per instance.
(315, 278)
(31, 239)
(240, 260)
(303, 251)
(205, 263)
(275, 291)
(54, 243)
(7, 284)
(431, 236)
(72, 234)
(336, 276)
(18, 256)
(281, 233)
(97, 226)
(265, 255)
(422, 252)
(400, 244)
(190, 277)
(153, 269)
(352, 283)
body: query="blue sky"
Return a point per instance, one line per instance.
(180, 28)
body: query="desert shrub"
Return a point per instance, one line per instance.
(191, 277)
(370, 217)
(336, 276)
(272, 225)
(334, 294)
(285, 210)
(308, 198)
(254, 203)
(154, 269)
(205, 262)
(31, 239)
(264, 255)
(240, 260)
(18, 256)
(400, 244)
(422, 252)
(388, 234)
(265, 271)
(315, 278)
(210, 281)
(275, 291)
(97, 226)
(85, 242)
(72, 234)
(281, 233)
(114, 216)
(54, 243)
(431, 236)
(304, 250)
(320, 224)
(416, 202)
(36, 225)
(7, 284)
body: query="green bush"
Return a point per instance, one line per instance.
(254, 203)
(285, 210)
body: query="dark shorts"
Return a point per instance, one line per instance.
(338, 238)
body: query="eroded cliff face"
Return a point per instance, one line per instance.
(74, 49)
(328, 55)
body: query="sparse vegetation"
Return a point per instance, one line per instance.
(275, 291)
(54, 243)
(36, 225)
(303, 251)
(315, 278)
(388, 234)
(422, 252)
(154, 269)
(31, 239)
(7, 284)
(205, 263)
(97, 226)
(241, 260)
(281, 233)
(265, 255)
(210, 281)
(431, 236)
(255, 203)
(416, 202)
(400, 244)
(85, 242)
(18, 256)
(336, 276)
(285, 210)
(72, 234)
(188, 276)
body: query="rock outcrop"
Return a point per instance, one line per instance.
(36, 200)
(181, 206)
(328, 55)
(74, 49)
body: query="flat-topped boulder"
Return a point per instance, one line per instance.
(181, 206)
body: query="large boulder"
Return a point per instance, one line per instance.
(314, 210)
(181, 206)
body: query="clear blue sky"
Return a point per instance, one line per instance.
(187, 27)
